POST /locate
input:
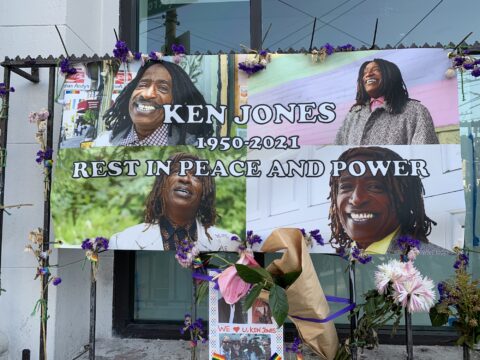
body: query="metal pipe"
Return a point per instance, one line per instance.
(46, 217)
(353, 316)
(3, 148)
(409, 334)
(93, 312)
(466, 352)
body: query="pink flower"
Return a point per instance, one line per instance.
(232, 287)
(416, 294)
(413, 253)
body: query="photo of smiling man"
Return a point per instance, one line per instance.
(180, 211)
(383, 113)
(374, 211)
(137, 116)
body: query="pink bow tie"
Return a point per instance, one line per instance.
(375, 103)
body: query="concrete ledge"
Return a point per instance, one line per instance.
(139, 349)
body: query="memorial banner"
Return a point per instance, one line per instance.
(131, 132)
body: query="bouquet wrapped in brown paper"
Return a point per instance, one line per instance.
(305, 295)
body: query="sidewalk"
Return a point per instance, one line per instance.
(139, 349)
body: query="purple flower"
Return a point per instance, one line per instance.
(254, 239)
(196, 329)
(153, 55)
(405, 243)
(178, 49)
(329, 49)
(87, 244)
(360, 256)
(462, 261)
(57, 281)
(468, 66)
(442, 290)
(137, 55)
(4, 90)
(302, 230)
(315, 234)
(263, 53)
(347, 47)
(458, 60)
(101, 243)
(66, 68)
(44, 155)
(251, 68)
(121, 51)
(296, 346)
(234, 238)
(186, 253)
(476, 71)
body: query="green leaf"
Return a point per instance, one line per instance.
(437, 319)
(264, 273)
(370, 306)
(287, 279)
(278, 304)
(251, 296)
(249, 274)
(202, 290)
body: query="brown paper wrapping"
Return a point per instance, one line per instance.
(305, 296)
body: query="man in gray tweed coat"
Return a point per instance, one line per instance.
(375, 211)
(383, 114)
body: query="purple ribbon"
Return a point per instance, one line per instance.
(199, 276)
(346, 309)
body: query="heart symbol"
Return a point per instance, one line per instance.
(236, 328)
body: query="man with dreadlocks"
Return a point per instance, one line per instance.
(137, 116)
(374, 211)
(179, 212)
(383, 112)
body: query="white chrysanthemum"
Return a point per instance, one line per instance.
(386, 273)
(392, 272)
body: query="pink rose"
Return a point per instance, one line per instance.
(232, 287)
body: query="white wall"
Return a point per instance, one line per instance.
(26, 28)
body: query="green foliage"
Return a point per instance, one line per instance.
(249, 275)
(252, 296)
(278, 304)
(277, 284)
(437, 318)
(90, 117)
(287, 279)
(202, 291)
(377, 310)
(103, 206)
(461, 300)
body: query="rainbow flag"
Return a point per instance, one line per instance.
(218, 357)
(275, 357)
